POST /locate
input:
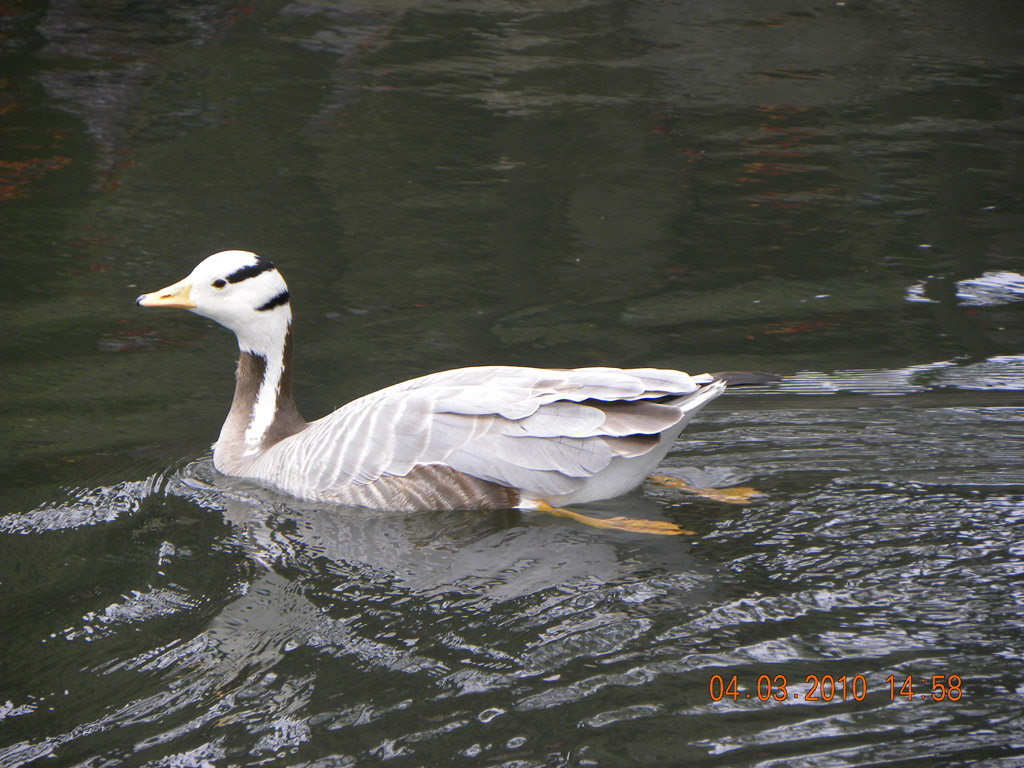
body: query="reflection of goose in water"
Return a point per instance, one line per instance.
(383, 588)
(378, 587)
(480, 558)
(386, 582)
(492, 437)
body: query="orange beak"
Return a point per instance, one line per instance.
(172, 296)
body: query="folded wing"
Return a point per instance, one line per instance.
(544, 432)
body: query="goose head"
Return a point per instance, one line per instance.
(241, 291)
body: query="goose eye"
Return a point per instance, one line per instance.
(218, 283)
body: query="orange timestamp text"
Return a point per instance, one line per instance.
(836, 688)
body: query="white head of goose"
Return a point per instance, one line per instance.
(490, 437)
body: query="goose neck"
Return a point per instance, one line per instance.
(263, 410)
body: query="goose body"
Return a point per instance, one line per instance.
(490, 437)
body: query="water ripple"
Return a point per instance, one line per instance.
(883, 547)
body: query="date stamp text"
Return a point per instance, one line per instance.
(835, 688)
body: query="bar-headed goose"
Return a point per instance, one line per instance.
(491, 437)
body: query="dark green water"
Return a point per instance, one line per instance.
(831, 191)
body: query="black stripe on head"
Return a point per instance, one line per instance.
(277, 301)
(251, 270)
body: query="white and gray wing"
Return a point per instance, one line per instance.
(540, 431)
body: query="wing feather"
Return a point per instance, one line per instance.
(557, 419)
(541, 430)
(638, 417)
(477, 461)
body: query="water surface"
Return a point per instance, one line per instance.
(829, 191)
